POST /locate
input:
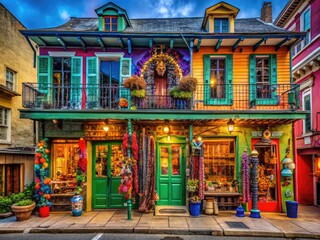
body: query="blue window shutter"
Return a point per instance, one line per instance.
(229, 79)
(92, 88)
(206, 71)
(44, 78)
(306, 20)
(125, 72)
(76, 82)
(252, 80)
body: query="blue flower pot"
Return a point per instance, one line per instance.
(77, 203)
(195, 209)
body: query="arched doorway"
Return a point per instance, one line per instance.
(161, 72)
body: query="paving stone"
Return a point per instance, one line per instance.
(290, 229)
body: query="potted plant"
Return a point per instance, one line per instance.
(23, 209)
(5, 206)
(42, 188)
(195, 201)
(137, 86)
(183, 92)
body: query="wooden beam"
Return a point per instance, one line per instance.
(150, 42)
(83, 44)
(191, 43)
(255, 47)
(218, 44)
(60, 40)
(293, 43)
(120, 42)
(171, 43)
(102, 45)
(129, 46)
(198, 45)
(236, 44)
(43, 42)
(279, 45)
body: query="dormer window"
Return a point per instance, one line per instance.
(221, 25)
(111, 23)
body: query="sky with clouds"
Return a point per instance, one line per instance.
(51, 13)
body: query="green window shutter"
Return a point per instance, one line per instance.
(252, 80)
(273, 68)
(92, 88)
(229, 79)
(206, 80)
(125, 72)
(44, 73)
(76, 82)
(306, 20)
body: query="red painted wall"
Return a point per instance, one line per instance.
(304, 179)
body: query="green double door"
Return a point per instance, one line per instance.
(171, 168)
(106, 178)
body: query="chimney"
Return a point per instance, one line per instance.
(266, 12)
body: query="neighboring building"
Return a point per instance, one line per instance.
(16, 135)
(243, 72)
(303, 16)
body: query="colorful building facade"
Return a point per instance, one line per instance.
(303, 16)
(243, 100)
(16, 135)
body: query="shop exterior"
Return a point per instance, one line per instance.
(304, 16)
(244, 99)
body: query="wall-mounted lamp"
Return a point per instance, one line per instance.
(106, 126)
(199, 139)
(230, 125)
(166, 129)
(169, 138)
(58, 123)
(288, 164)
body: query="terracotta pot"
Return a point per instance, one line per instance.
(22, 212)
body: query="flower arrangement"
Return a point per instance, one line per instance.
(186, 86)
(126, 178)
(123, 103)
(41, 165)
(82, 166)
(193, 187)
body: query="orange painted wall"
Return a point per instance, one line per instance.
(241, 69)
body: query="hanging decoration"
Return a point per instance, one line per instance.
(82, 165)
(41, 169)
(125, 187)
(197, 171)
(245, 177)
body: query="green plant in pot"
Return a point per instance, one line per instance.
(195, 201)
(183, 92)
(137, 85)
(23, 209)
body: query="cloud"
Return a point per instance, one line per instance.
(170, 8)
(64, 15)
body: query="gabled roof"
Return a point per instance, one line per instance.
(220, 8)
(167, 25)
(120, 10)
(286, 12)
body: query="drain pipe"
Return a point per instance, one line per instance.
(34, 51)
(190, 47)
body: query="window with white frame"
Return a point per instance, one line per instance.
(10, 79)
(4, 125)
(306, 100)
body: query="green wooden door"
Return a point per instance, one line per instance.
(171, 166)
(106, 175)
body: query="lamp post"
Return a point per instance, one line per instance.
(255, 212)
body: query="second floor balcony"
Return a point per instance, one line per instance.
(264, 97)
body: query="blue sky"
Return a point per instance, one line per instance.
(51, 13)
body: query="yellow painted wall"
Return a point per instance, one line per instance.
(240, 70)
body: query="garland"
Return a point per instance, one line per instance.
(41, 169)
(245, 177)
(125, 187)
(82, 165)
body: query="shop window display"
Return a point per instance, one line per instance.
(219, 165)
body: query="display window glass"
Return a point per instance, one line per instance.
(65, 157)
(267, 177)
(219, 163)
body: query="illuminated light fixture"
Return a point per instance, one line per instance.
(166, 129)
(199, 139)
(106, 125)
(230, 125)
(106, 128)
(169, 138)
(55, 121)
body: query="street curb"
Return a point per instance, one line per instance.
(8, 230)
(256, 233)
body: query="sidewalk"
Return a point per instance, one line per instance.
(307, 225)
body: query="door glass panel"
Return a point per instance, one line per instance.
(116, 159)
(175, 160)
(101, 161)
(267, 169)
(164, 159)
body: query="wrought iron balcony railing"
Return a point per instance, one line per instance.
(206, 98)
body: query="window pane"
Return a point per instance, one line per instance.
(57, 63)
(114, 28)
(101, 161)
(164, 159)
(307, 107)
(116, 160)
(114, 20)
(108, 27)
(175, 159)
(307, 20)
(67, 64)
(217, 78)
(221, 25)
